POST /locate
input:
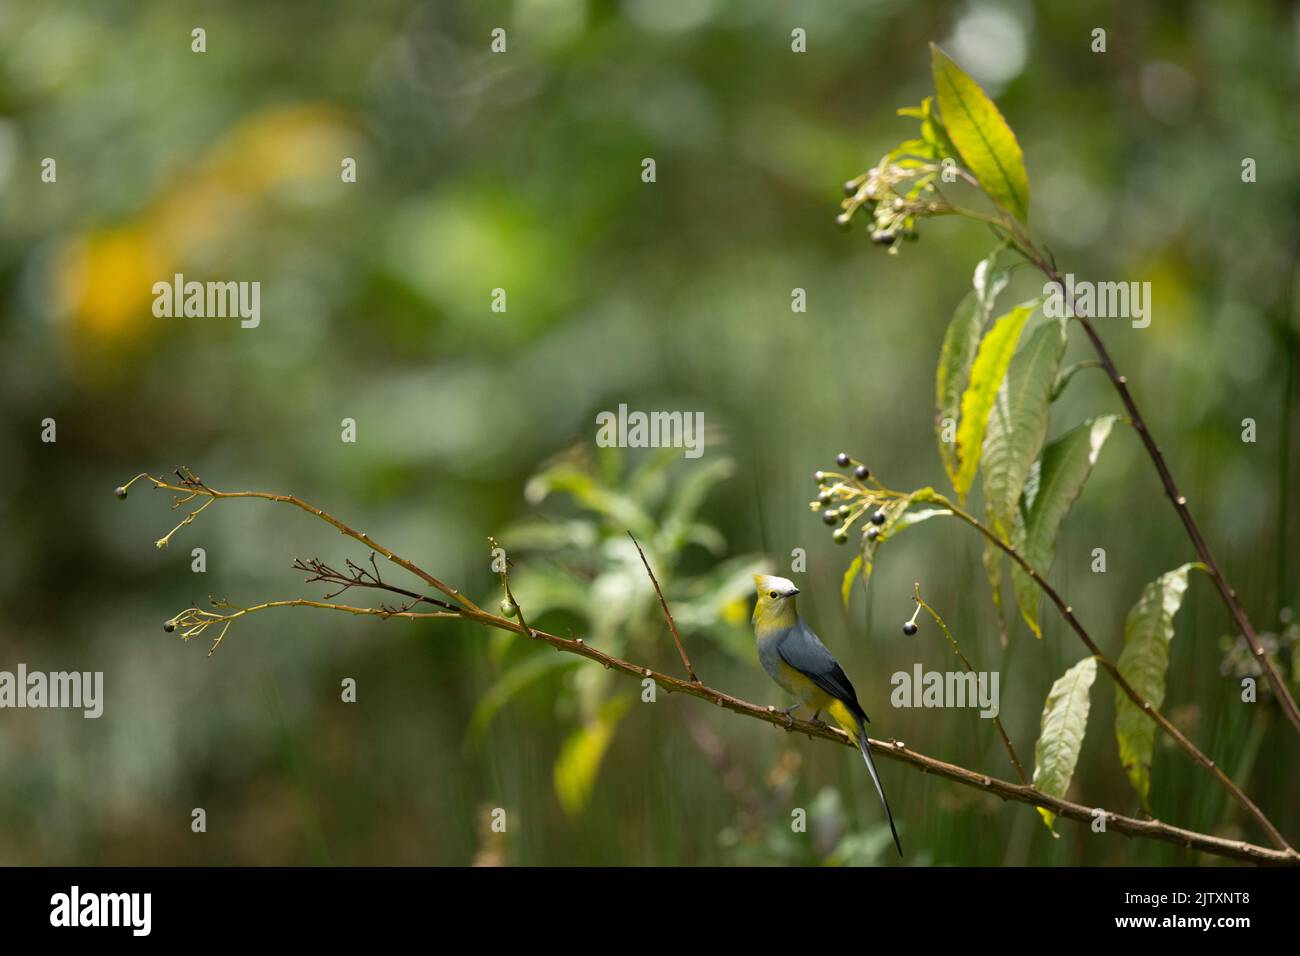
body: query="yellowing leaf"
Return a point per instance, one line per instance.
(582, 753)
(987, 145)
(986, 375)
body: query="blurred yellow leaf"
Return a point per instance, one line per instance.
(582, 753)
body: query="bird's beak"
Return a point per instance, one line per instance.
(794, 592)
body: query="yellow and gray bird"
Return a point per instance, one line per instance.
(795, 658)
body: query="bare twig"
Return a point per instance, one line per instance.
(681, 648)
(997, 721)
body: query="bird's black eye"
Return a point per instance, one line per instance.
(773, 594)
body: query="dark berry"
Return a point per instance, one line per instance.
(824, 496)
(878, 518)
(120, 491)
(840, 536)
(909, 628)
(169, 626)
(862, 472)
(831, 516)
(819, 476)
(883, 238)
(842, 460)
(873, 533)
(850, 188)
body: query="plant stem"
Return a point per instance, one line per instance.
(1110, 667)
(997, 721)
(1229, 595)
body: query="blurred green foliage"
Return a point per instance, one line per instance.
(522, 171)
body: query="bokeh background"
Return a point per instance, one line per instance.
(521, 171)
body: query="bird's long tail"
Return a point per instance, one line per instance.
(855, 727)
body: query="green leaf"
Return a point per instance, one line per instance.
(1060, 736)
(986, 375)
(1018, 423)
(960, 343)
(1065, 466)
(581, 756)
(1148, 631)
(982, 137)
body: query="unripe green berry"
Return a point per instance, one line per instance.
(508, 608)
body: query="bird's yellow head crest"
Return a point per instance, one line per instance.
(775, 607)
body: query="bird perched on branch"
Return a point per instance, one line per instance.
(795, 658)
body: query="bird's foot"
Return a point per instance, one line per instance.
(789, 715)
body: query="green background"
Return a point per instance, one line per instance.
(522, 171)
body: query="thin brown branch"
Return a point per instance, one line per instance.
(892, 749)
(196, 621)
(672, 626)
(1112, 669)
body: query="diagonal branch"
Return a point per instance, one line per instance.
(195, 622)
(1120, 382)
(681, 648)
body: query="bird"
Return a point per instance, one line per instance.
(799, 662)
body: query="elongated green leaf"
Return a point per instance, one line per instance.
(1065, 466)
(986, 143)
(960, 343)
(582, 754)
(986, 375)
(1148, 631)
(955, 358)
(1060, 736)
(1018, 423)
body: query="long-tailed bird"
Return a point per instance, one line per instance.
(795, 658)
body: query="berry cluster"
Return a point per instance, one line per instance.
(892, 214)
(844, 497)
